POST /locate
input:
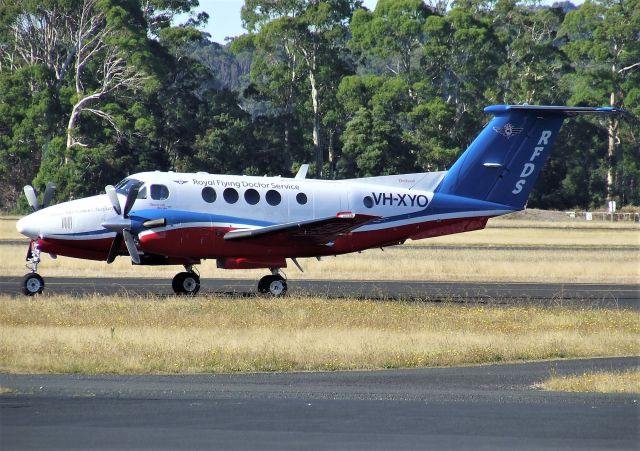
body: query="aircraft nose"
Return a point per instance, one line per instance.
(28, 227)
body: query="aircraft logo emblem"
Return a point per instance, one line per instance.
(180, 182)
(508, 130)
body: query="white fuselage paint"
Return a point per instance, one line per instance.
(389, 196)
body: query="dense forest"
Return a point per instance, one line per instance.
(94, 90)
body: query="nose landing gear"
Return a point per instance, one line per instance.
(32, 282)
(274, 284)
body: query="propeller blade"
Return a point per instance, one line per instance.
(113, 197)
(48, 194)
(32, 197)
(131, 247)
(115, 247)
(131, 198)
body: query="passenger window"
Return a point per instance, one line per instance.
(230, 195)
(301, 198)
(209, 194)
(159, 192)
(367, 201)
(273, 197)
(251, 196)
(142, 194)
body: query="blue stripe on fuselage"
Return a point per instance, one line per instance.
(174, 217)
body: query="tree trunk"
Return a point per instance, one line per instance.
(332, 156)
(73, 119)
(317, 138)
(612, 131)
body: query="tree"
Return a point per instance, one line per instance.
(83, 39)
(373, 139)
(393, 32)
(98, 67)
(29, 109)
(300, 37)
(604, 46)
(533, 62)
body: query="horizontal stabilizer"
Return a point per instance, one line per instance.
(553, 109)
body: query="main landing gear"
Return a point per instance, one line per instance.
(186, 283)
(32, 283)
(274, 284)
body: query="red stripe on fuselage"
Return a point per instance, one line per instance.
(91, 249)
(208, 242)
(204, 242)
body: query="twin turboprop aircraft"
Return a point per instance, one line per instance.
(168, 218)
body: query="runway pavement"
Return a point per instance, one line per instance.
(485, 407)
(596, 295)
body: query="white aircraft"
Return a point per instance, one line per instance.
(168, 218)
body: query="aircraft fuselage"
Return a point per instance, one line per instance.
(200, 209)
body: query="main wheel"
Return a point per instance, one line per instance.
(32, 284)
(273, 285)
(186, 283)
(263, 284)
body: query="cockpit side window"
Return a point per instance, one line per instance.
(142, 194)
(125, 186)
(159, 192)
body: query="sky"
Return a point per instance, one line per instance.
(224, 17)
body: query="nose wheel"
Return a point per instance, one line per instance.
(32, 284)
(186, 283)
(275, 285)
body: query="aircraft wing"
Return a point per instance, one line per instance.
(319, 231)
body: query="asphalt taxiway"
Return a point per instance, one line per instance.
(588, 295)
(485, 407)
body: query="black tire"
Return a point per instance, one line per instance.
(263, 284)
(32, 284)
(186, 283)
(275, 286)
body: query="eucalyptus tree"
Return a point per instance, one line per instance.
(97, 63)
(603, 43)
(533, 64)
(299, 41)
(393, 33)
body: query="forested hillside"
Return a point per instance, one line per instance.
(94, 90)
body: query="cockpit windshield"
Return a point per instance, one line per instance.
(125, 186)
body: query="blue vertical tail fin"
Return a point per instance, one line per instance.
(504, 161)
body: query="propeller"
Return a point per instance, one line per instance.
(122, 225)
(32, 196)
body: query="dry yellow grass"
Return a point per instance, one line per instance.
(175, 335)
(506, 233)
(397, 263)
(555, 261)
(480, 265)
(596, 382)
(8, 228)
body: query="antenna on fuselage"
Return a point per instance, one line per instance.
(302, 172)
